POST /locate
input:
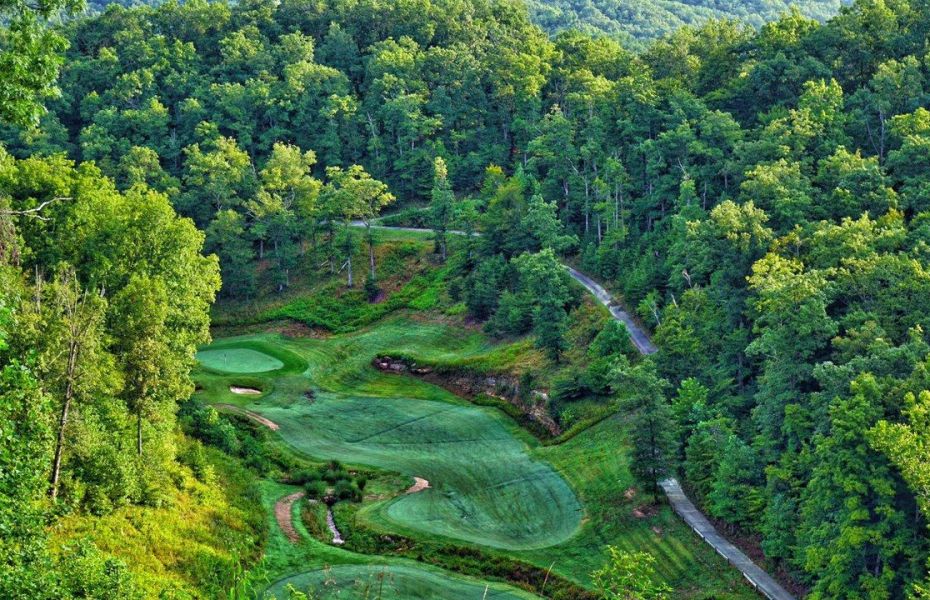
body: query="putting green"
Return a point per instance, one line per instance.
(393, 582)
(238, 360)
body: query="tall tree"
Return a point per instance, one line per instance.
(651, 426)
(442, 204)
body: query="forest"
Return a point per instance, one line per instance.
(637, 22)
(757, 196)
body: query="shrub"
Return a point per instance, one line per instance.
(315, 489)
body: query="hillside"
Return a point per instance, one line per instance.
(649, 19)
(215, 299)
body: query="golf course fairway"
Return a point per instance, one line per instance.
(392, 582)
(485, 488)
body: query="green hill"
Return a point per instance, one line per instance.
(648, 19)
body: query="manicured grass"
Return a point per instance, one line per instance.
(238, 360)
(391, 582)
(304, 565)
(403, 424)
(486, 489)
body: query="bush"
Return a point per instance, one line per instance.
(194, 457)
(346, 490)
(305, 476)
(334, 471)
(371, 288)
(315, 489)
(569, 386)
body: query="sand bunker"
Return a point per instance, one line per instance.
(244, 391)
(419, 484)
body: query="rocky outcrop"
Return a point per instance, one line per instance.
(531, 404)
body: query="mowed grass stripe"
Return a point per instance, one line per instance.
(393, 582)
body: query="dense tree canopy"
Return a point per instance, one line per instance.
(760, 198)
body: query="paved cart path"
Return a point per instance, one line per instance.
(637, 335)
(762, 581)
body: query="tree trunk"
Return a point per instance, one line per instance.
(73, 348)
(349, 266)
(371, 250)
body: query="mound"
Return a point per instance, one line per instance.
(394, 582)
(238, 360)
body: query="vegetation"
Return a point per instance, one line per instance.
(758, 196)
(363, 416)
(639, 21)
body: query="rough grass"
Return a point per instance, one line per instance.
(195, 545)
(408, 277)
(401, 424)
(596, 462)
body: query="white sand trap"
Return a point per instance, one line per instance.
(244, 391)
(419, 484)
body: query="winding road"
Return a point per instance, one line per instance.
(764, 583)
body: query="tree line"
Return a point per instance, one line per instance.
(759, 197)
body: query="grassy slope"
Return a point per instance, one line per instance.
(592, 461)
(195, 545)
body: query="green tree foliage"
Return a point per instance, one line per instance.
(442, 205)
(760, 196)
(629, 576)
(30, 57)
(651, 424)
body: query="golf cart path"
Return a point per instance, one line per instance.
(759, 579)
(762, 581)
(639, 337)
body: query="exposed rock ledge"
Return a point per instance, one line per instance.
(470, 385)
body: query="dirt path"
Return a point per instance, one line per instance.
(238, 410)
(282, 514)
(419, 484)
